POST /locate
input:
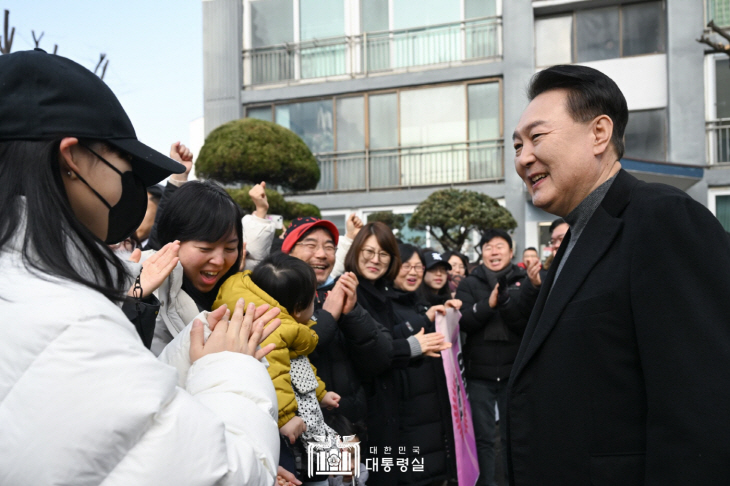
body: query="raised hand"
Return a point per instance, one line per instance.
(258, 196)
(182, 154)
(156, 268)
(352, 226)
(533, 272)
(241, 334)
(349, 286)
(335, 301)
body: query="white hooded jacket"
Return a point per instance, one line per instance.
(83, 402)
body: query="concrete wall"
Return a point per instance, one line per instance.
(389, 81)
(519, 66)
(399, 197)
(222, 61)
(685, 69)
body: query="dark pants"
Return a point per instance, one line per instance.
(483, 395)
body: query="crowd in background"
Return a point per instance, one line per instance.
(357, 352)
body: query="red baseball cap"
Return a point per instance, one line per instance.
(299, 226)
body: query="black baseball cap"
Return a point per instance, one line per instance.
(433, 258)
(45, 96)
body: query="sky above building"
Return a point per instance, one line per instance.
(154, 48)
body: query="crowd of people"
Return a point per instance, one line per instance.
(357, 347)
(157, 335)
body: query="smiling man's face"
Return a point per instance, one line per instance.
(555, 155)
(318, 250)
(496, 254)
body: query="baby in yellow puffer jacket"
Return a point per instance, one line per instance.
(290, 284)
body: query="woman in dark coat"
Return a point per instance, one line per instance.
(425, 410)
(375, 260)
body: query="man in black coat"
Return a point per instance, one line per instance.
(622, 375)
(497, 298)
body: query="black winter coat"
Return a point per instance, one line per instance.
(383, 385)
(354, 338)
(424, 409)
(622, 378)
(493, 335)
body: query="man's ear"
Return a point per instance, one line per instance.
(602, 132)
(69, 154)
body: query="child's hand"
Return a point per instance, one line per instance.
(294, 428)
(331, 400)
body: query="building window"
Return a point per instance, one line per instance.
(717, 11)
(722, 211)
(422, 136)
(718, 111)
(303, 39)
(600, 33)
(645, 137)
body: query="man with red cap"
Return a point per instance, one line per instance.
(350, 341)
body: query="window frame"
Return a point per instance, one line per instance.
(620, 6)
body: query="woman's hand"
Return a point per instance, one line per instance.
(436, 309)
(241, 334)
(293, 429)
(453, 304)
(431, 343)
(330, 400)
(156, 268)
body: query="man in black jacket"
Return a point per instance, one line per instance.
(622, 376)
(497, 298)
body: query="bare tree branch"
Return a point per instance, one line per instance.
(101, 59)
(38, 40)
(7, 44)
(716, 46)
(718, 30)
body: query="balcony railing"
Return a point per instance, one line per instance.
(718, 141)
(719, 11)
(376, 52)
(411, 166)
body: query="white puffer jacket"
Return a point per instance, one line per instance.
(83, 402)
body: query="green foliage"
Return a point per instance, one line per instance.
(277, 204)
(447, 211)
(251, 151)
(393, 221)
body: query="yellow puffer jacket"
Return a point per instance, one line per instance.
(292, 339)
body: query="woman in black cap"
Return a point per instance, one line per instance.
(82, 400)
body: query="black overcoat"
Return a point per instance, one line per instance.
(623, 375)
